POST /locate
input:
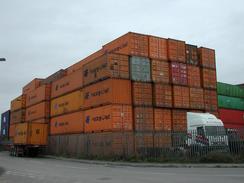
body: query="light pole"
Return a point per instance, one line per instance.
(2, 59)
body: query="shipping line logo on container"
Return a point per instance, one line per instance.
(117, 48)
(98, 118)
(96, 93)
(95, 70)
(60, 124)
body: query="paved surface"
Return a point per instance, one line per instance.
(46, 170)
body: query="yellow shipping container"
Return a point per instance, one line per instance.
(18, 103)
(67, 103)
(31, 134)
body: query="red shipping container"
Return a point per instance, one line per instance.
(232, 117)
(160, 71)
(162, 119)
(196, 98)
(181, 97)
(207, 57)
(210, 100)
(194, 78)
(209, 79)
(158, 48)
(142, 93)
(143, 118)
(179, 120)
(162, 95)
(179, 73)
(176, 50)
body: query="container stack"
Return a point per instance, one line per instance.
(231, 105)
(129, 92)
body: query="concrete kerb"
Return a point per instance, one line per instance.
(153, 165)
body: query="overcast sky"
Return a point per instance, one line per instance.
(39, 37)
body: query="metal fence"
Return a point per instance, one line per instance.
(156, 145)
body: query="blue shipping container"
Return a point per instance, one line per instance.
(5, 123)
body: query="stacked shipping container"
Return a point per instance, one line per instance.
(231, 105)
(136, 84)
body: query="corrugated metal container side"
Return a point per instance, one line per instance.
(38, 95)
(230, 116)
(179, 73)
(77, 66)
(181, 97)
(158, 48)
(129, 44)
(162, 95)
(110, 91)
(179, 120)
(230, 90)
(230, 102)
(31, 133)
(67, 124)
(176, 50)
(140, 69)
(5, 122)
(194, 77)
(11, 130)
(192, 54)
(143, 119)
(210, 100)
(41, 120)
(142, 93)
(18, 103)
(41, 110)
(54, 77)
(17, 116)
(162, 140)
(196, 98)
(106, 66)
(209, 79)
(67, 103)
(109, 118)
(162, 119)
(32, 85)
(67, 84)
(207, 57)
(160, 71)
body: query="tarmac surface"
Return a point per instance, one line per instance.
(62, 170)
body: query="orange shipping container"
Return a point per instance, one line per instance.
(207, 57)
(160, 71)
(67, 103)
(41, 120)
(67, 84)
(110, 91)
(196, 98)
(162, 95)
(129, 44)
(17, 116)
(54, 77)
(179, 120)
(38, 111)
(109, 118)
(77, 66)
(106, 66)
(209, 79)
(158, 48)
(32, 85)
(142, 93)
(162, 119)
(18, 103)
(11, 130)
(191, 54)
(143, 118)
(181, 97)
(176, 50)
(67, 124)
(210, 100)
(194, 78)
(31, 134)
(142, 142)
(38, 95)
(162, 140)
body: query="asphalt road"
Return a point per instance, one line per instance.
(44, 170)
